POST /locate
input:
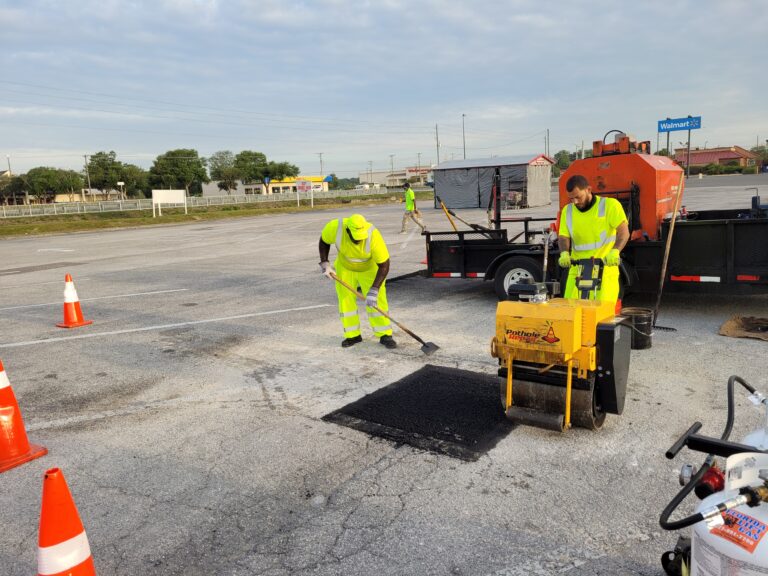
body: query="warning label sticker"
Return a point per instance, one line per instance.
(741, 529)
(707, 561)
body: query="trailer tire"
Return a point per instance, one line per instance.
(512, 271)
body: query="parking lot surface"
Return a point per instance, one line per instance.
(188, 418)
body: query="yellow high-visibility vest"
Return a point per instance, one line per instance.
(592, 233)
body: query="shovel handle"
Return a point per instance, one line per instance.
(361, 297)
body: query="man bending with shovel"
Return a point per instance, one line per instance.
(362, 261)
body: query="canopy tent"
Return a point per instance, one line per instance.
(525, 181)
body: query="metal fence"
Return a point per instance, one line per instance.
(26, 210)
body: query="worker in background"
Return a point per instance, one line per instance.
(592, 227)
(410, 209)
(362, 261)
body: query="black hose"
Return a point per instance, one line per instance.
(680, 496)
(729, 421)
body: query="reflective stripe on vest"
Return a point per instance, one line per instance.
(339, 237)
(604, 238)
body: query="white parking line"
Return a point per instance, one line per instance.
(55, 250)
(161, 326)
(97, 298)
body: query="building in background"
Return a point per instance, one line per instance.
(285, 186)
(418, 175)
(733, 155)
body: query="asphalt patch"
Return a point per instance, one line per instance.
(445, 410)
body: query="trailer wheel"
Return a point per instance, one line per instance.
(513, 271)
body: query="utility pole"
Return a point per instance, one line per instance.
(437, 144)
(669, 152)
(321, 162)
(547, 141)
(463, 136)
(370, 171)
(582, 149)
(87, 174)
(391, 166)
(418, 165)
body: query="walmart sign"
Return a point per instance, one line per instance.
(674, 124)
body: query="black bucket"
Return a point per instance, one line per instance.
(642, 326)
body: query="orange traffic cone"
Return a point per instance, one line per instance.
(62, 548)
(73, 316)
(15, 449)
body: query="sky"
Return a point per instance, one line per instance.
(354, 84)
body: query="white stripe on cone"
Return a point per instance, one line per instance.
(4, 382)
(70, 294)
(64, 556)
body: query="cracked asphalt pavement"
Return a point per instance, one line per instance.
(187, 418)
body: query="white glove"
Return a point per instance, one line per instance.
(372, 298)
(325, 268)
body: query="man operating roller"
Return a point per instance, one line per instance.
(592, 227)
(362, 261)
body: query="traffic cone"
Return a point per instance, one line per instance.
(62, 548)
(73, 316)
(15, 448)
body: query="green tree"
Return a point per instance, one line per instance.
(182, 168)
(136, 181)
(104, 171)
(221, 166)
(334, 183)
(14, 189)
(562, 159)
(251, 166)
(43, 182)
(280, 170)
(762, 154)
(70, 183)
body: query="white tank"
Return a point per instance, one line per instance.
(738, 546)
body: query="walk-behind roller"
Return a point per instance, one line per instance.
(569, 357)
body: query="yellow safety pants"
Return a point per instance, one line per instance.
(348, 302)
(609, 287)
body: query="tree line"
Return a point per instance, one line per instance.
(177, 169)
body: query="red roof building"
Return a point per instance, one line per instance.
(702, 157)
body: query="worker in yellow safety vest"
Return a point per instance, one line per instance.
(409, 196)
(362, 262)
(592, 227)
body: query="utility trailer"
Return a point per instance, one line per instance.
(723, 251)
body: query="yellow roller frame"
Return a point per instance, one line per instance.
(568, 388)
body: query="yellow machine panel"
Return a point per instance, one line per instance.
(558, 326)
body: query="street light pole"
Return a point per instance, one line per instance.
(391, 166)
(370, 171)
(87, 175)
(321, 162)
(463, 136)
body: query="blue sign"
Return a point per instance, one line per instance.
(674, 124)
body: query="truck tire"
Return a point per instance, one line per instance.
(513, 270)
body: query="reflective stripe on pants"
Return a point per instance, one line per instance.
(350, 320)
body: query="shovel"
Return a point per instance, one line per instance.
(426, 347)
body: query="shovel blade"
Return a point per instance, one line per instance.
(430, 348)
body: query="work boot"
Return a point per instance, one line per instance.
(388, 342)
(347, 342)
